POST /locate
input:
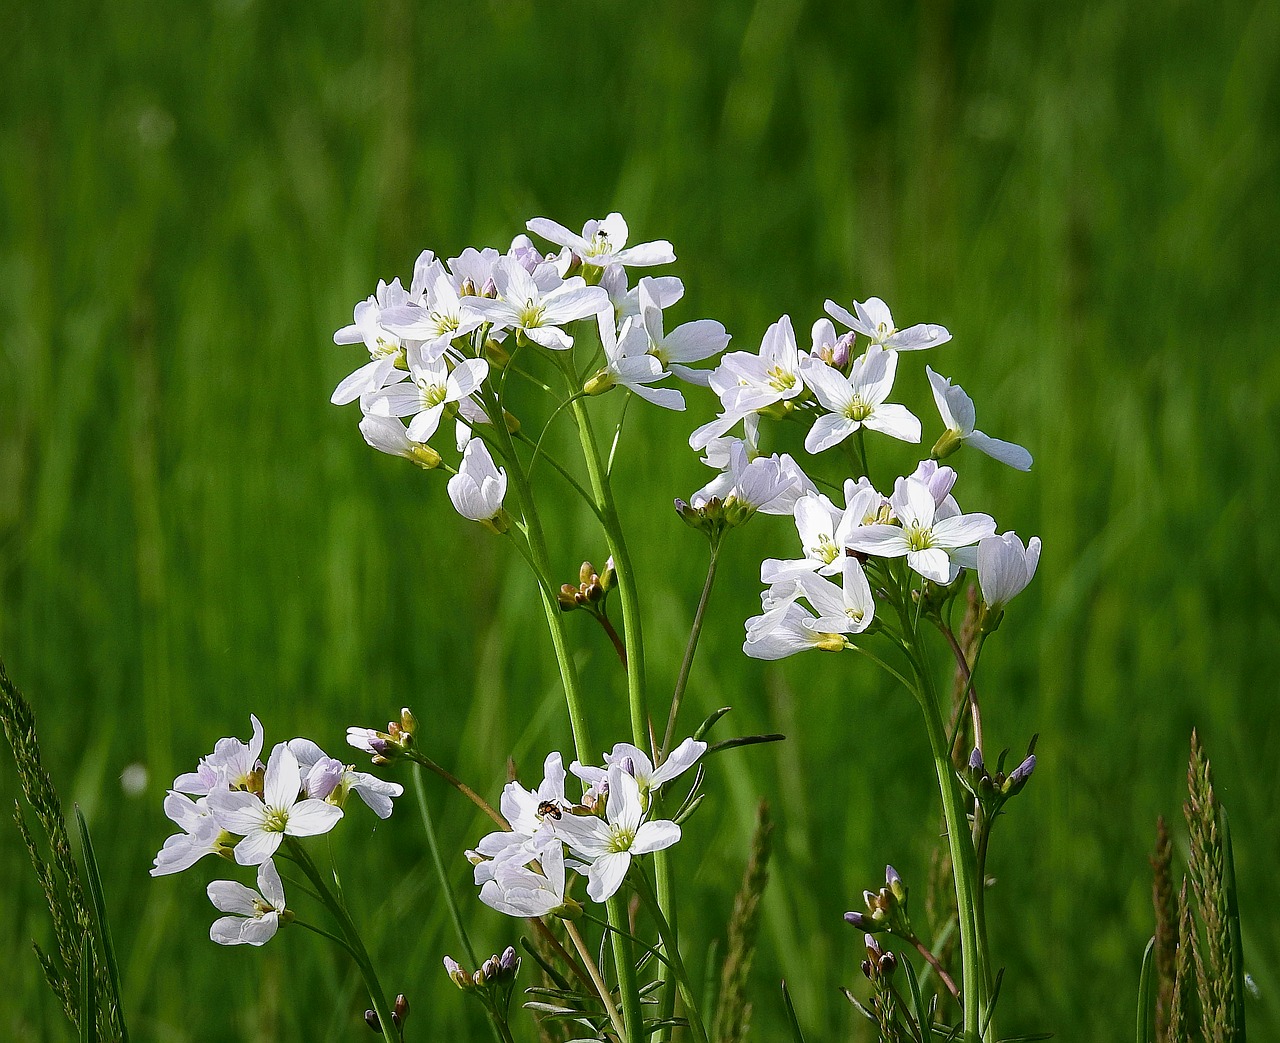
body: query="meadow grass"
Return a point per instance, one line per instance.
(190, 203)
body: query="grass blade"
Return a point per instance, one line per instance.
(98, 901)
(88, 1001)
(1233, 927)
(1146, 982)
(796, 1034)
(922, 1012)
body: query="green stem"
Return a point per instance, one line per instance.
(691, 649)
(963, 859)
(561, 470)
(354, 944)
(599, 479)
(624, 963)
(428, 827)
(597, 979)
(540, 561)
(673, 955)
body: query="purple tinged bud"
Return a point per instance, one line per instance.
(629, 766)
(975, 760)
(489, 289)
(509, 961)
(371, 1019)
(858, 920)
(324, 777)
(842, 350)
(1020, 774)
(891, 876)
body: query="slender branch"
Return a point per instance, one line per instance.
(617, 435)
(933, 962)
(606, 997)
(691, 649)
(564, 473)
(433, 845)
(549, 937)
(418, 757)
(618, 645)
(355, 946)
(970, 689)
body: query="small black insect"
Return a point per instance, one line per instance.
(549, 809)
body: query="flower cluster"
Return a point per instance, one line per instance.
(234, 806)
(826, 595)
(522, 871)
(435, 347)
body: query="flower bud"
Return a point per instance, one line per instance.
(371, 1019)
(946, 445)
(455, 971)
(424, 456)
(858, 920)
(400, 1010)
(1019, 776)
(609, 576)
(600, 383)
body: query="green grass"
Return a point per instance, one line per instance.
(191, 201)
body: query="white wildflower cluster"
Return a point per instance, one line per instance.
(522, 871)
(824, 597)
(236, 807)
(435, 348)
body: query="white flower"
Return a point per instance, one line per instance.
(749, 383)
(387, 435)
(201, 835)
(264, 821)
(531, 815)
(785, 628)
(689, 342)
(611, 842)
(636, 763)
(874, 321)
(857, 401)
(431, 389)
(959, 416)
(630, 364)
(824, 532)
(847, 609)
(666, 290)
(770, 484)
(537, 307)
(604, 243)
(327, 778)
(439, 318)
(384, 347)
(519, 891)
(927, 540)
(231, 764)
(255, 915)
(1005, 567)
(477, 490)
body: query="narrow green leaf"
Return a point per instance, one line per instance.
(743, 740)
(104, 926)
(88, 1001)
(709, 723)
(1233, 927)
(922, 1012)
(1146, 985)
(796, 1034)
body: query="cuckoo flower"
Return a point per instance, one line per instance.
(327, 778)
(477, 490)
(255, 915)
(201, 835)
(874, 321)
(630, 364)
(959, 416)
(636, 763)
(387, 435)
(927, 539)
(857, 401)
(1005, 567)
(609, 843)
(537, 307)
(385, 348)
(265, 821)
(690, 342)
(518, 890)
(432, 389)
(604, 243)
(232, 764)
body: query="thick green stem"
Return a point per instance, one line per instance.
(963, 859)
(625, 964)
(627, 593)
(354, 945)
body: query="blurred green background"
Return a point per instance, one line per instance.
(193, 198)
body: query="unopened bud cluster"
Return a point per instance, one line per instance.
(495, 972)
(886, 908)
(390, 745)
(591, 589)
(991, 789)
(399, 1014)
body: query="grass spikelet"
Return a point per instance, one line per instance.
(733, 1011)
(1166, 933)
(59, 877)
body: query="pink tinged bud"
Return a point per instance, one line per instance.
(324, 777)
